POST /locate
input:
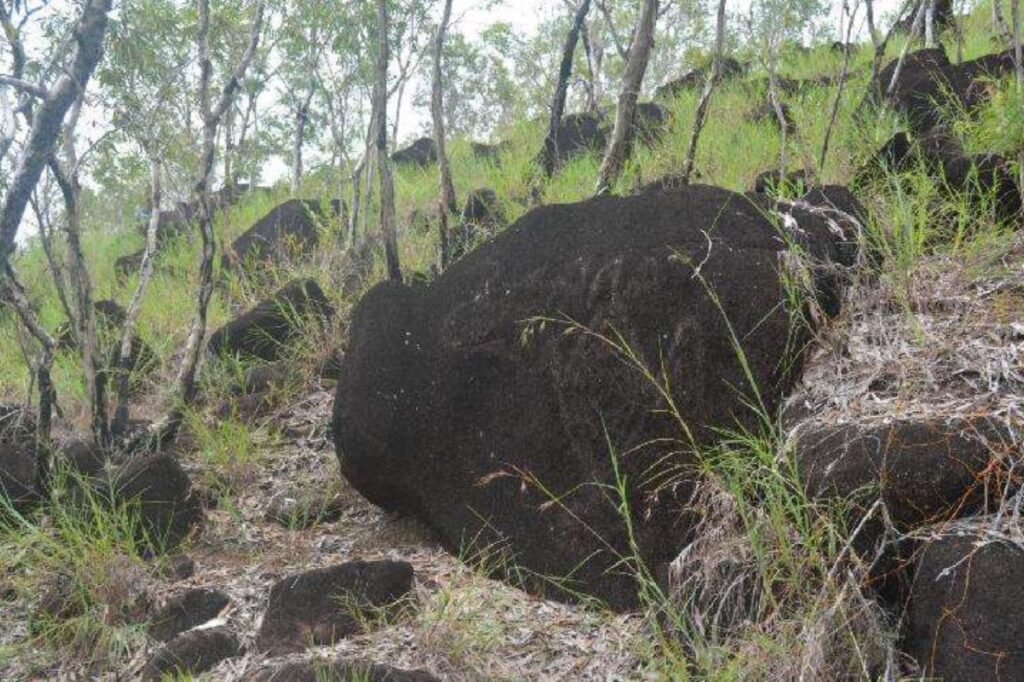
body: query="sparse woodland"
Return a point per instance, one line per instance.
(662, 340)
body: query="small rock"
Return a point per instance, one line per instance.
(163, 492)
(305, 510)
(191, 653)
(185, 611)
(325, 605)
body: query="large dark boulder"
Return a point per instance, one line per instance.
(765, 113)
(161, 492)
(454, 407)
(17, 457)
(985, 182)
(420, 153)
(266, 330)
(929, 85)
(292, 228)
(326, 605)
(963, 617)
(337, 671)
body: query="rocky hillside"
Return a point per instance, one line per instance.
(762, 424)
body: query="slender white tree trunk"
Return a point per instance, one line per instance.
(621, 142)
(446, 200)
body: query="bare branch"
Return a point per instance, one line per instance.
(23, 86)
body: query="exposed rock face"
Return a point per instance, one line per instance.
(290, 228)
(185, 611)
(926, 471)
(191, 653)
(328, 604)
(983, 181)
(337, 671)
(929, 83)
(695, 79)
(579, 134)
(420, 153)
(266, 330)
(963, 617)
(163, 492)
(17, 456)
(451, 408)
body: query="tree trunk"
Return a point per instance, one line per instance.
(167, 428)
(122, 371)
(844, 72)
(81, 284)
(1018, 62)
(621, 143)
(88, 32)
(929, 23)
(1000, 21)
(387, 187)
(869, 7)
(549, 155)
(705, 97)
(776, 102)
(446, 202)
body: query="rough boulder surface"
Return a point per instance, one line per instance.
(420, 153)
(266, 330)
(929, 84)
(191, 653)
(926, 471)
(292, 227)
(455, 408)
(963, 618)
(328, 604)
(185, 611)
(163, 492)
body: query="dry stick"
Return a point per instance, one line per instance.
(387, 185)
(915, 30)
(549, 154)
(56, 271)
(844, 72)
(121, 369)
(14, 293)
(705, 97)
(446, 200)
(166, 428)
(880, 47)
(621, 143)
(1018, 62)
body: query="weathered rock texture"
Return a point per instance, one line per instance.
(454, 407)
